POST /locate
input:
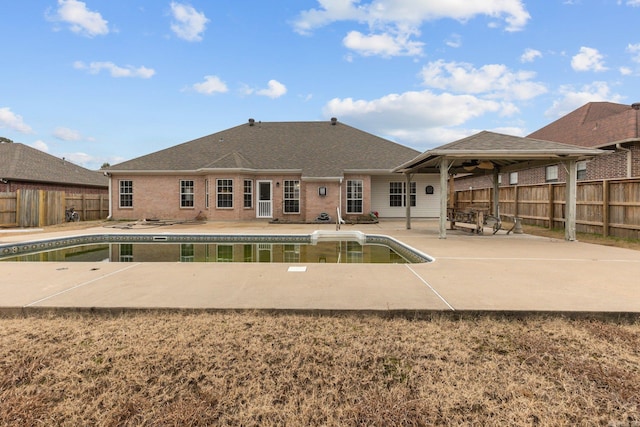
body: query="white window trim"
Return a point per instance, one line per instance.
(193, 194)
(218, 193)
(244, 193)
(284, 196)
(120, 193)
(361, 198)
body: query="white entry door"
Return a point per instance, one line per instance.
(265, 202)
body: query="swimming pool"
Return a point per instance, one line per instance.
(317, 247)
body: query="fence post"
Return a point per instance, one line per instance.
(605, 207)
(42, 220)
(551, 205)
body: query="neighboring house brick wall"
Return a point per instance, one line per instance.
(607, 166)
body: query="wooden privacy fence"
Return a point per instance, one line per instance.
(38, 208)
(606, 207)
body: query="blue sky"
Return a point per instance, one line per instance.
(108, 80)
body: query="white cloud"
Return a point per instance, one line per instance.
(625, 71)
(633, 3)
(211, 85)
(188, 24)
(80, 19)
(415, 117)
(115, 70)
(393, 23)
(530, 55)
(634, 50)
(454, 40)
(574, 98)
(67, 134)
(398, 13)
(275, 89)
(8, 119)
(40, 145)
(385, 44)
(589, 59)
(492, 80)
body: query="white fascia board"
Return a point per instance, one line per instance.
(322, 178)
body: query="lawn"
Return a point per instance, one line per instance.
(268, 369)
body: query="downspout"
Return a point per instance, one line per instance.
(107, 174)
(629, 158)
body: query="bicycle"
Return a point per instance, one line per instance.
(71, 215)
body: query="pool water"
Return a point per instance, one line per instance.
(321, 252)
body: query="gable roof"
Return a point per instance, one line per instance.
(505, 152)
(20, 162)
(325, 149)
(596, 124)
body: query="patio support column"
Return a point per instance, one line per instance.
(496, 193)
(570, 201)
(407, 199)
(444, 174)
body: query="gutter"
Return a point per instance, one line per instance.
(629, 158)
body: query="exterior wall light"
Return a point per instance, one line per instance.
(322, 191)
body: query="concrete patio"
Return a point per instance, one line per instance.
(471, 273)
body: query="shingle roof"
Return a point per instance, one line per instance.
(595, 124)
(317, 149)
(504, 151)
(22, 163)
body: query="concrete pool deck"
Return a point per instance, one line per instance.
(471, 273)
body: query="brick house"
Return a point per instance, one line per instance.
(288, 171)
(25, 168)
(603, 125)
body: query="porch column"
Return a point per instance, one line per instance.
(407, 198)
(444, 174)
(570, 201)
(496, 193)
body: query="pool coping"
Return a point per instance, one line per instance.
(411, 254)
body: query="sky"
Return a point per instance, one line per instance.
(104, 81)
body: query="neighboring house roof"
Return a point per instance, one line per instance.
(19, 162)
(596, 124)
(325, 149)
(488, 150)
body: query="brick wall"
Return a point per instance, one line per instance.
(158, 197)
(607, 166)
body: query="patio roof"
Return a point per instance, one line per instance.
(489, 150)
(493, 152)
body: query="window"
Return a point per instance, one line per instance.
(248, 193)
(513, 178)
(126, 252)
(551, 173)
(225, 193)
(206, 193)
(225, 253)
(582, 170)
(291, 253)
(354, 196)
(126, 194)
(187, 252)
(397, 194)
(291, 197)
(186, 193)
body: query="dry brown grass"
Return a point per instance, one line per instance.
(167, 368)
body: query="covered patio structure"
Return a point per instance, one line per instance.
(495, 153)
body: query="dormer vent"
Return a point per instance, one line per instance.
(252, 122)
(333, 121)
